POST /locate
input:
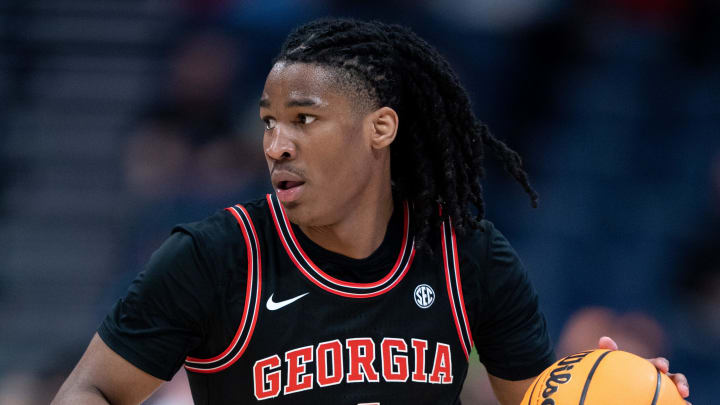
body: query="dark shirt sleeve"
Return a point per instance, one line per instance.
(509, 330)
(162, 317)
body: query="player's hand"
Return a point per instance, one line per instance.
(661, 363)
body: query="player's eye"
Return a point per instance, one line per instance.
(269, 123)
(306, 119)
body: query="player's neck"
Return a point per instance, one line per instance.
(361, 232)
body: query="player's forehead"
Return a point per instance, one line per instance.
(292, 82)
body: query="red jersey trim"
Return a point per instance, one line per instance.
(454, 287)
(242, 337)
(331, 284)
(458, 284)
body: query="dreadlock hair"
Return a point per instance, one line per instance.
(437, 156)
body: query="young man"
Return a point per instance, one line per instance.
(365, 278)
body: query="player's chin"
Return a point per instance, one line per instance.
(299, 213)
(291, 206)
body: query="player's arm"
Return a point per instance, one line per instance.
(104, 377)
(509, 330)
(509, 392)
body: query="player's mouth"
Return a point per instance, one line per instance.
(289, 191)
(288, 186)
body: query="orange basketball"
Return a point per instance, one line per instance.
(602, 377)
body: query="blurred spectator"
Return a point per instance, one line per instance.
(185, 141)
(634, 332)
(19, 388)
(184, 152)
(188, 154)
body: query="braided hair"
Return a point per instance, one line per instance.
(437, 156)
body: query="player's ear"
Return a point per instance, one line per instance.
(384, 125)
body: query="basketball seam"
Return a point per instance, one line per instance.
(590, 376)
(657, 389)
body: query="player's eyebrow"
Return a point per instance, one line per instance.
(296, 102)
(305, 102)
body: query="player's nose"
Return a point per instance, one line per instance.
(280, 145)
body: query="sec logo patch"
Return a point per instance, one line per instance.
(424, 296)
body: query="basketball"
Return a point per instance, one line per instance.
(601, 377)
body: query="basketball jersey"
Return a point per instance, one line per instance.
(306, 337)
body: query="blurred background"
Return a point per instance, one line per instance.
(121, 118)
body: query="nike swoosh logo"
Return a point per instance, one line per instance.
(272, 305)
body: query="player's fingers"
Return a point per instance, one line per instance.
(607, 343)
(681, 383)
(661, 363)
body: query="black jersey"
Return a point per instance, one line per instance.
(257, 312)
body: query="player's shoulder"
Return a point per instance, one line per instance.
(488, 250)
(221, 232)
(476, 243)
(488, 262)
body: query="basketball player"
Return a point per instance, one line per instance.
(365, 277)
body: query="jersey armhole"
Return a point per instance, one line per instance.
(242, 337)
